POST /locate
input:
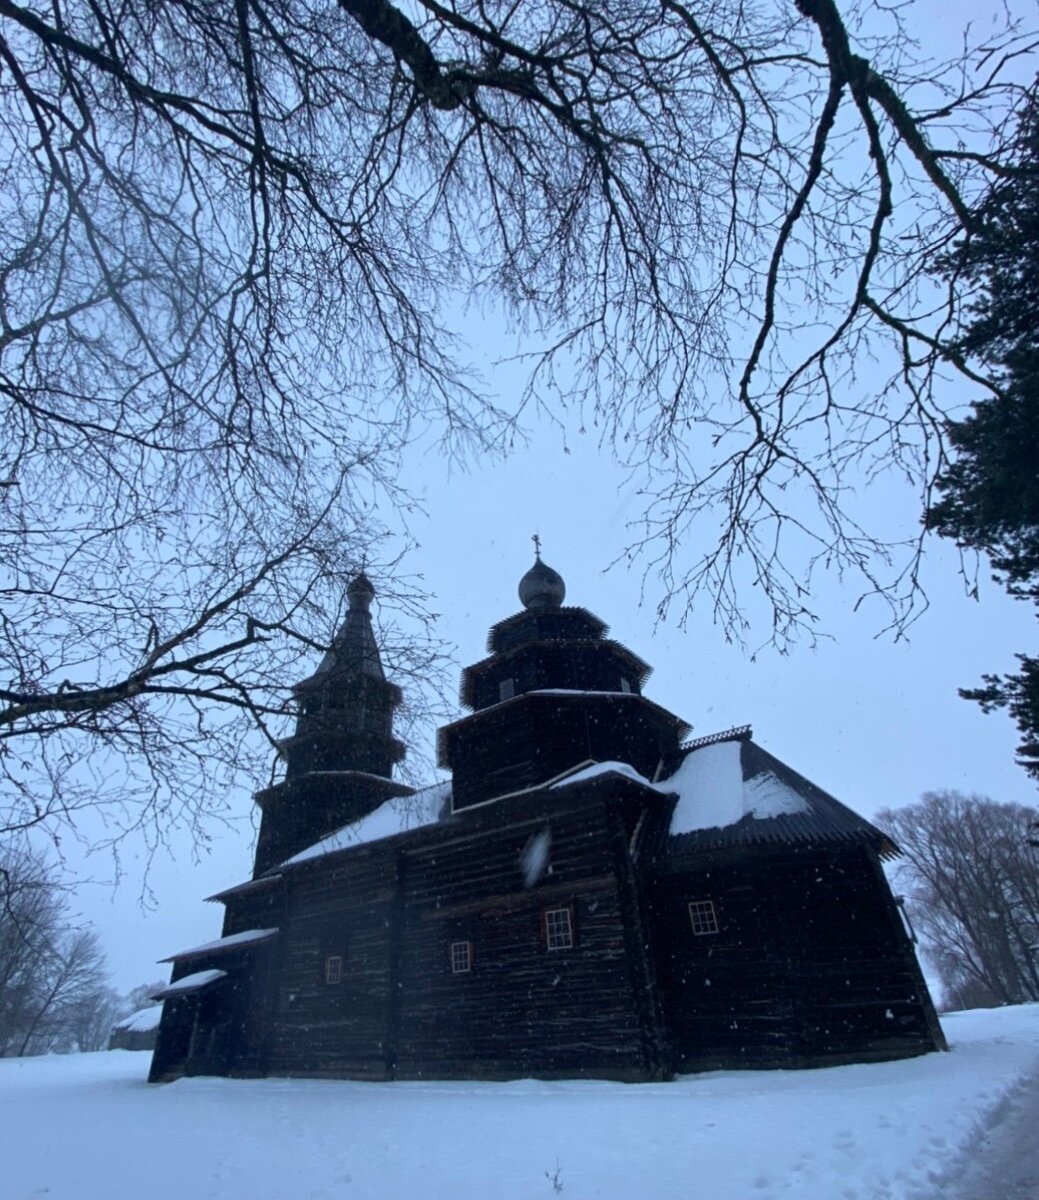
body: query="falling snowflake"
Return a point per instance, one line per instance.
(534, 858)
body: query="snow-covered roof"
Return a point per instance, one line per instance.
(728, 790)
(713, 793)
(399, 815)
(711, 790)
(595, 769)
(732, 792)
(144, 1020)
(233, 941)
(190, 983)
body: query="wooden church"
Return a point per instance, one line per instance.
(590, 895)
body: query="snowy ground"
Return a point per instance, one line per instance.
(88, 1127)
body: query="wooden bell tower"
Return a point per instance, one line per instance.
(554, 692)
(340, 759)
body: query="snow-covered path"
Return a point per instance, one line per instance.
(89, 1128)
(1004, 1164)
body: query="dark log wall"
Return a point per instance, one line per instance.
(808, 965)
(636, 923)
(391, 912)
(530, 740)
(346, 909)
(482, 772)
(259, 908)
(523, 1009)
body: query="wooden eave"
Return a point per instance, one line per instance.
(330, 734)
(320, 681)
(185, 987)
(391, 787)
(639, 667)
(232, 944)
(447, 732)
(771, 832)
(263, 883)
(598, 625)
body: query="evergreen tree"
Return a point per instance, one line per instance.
(990, 493)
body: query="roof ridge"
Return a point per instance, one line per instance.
(738, 733)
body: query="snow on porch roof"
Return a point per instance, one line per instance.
(234, 941)
(189, 984)
(144, 1020)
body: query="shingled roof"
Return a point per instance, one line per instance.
(732, 793)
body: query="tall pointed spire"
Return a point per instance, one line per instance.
(354, 649)
(340, 759)
(345, 718)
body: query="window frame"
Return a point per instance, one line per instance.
(703, 918)
(456, 955)
(333, 970)
(551, 934)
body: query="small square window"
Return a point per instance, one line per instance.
(334, 968)
(559, 929)
(506, 689)
(461, 958)
(703, 917)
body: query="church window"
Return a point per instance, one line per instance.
(703, 916)
(461, 958)
(625, 684)
(559, 929)
(333, 968)
(507, 689)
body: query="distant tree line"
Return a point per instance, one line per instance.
(54, 990)
(970, 868)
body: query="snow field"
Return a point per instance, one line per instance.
(87, 1127)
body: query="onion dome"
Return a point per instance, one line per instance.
(541, 587)
(360, 592)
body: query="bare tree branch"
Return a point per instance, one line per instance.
(231, 241)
